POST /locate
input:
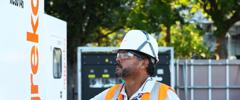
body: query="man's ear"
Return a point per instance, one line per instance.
(145, 63)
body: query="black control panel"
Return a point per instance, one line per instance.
(98, 72)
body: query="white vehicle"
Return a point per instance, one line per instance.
(33, 52)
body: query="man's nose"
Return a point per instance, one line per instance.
(118, 60)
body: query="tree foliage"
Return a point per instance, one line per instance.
(149, 15)
(87, 20)
(187, 41)
(223, 14)
(162, 18)
(103, 22)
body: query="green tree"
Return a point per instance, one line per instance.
(157, 16)
(223, 13)
(86, 20)
(100, 22)
(149, 15)
(187, 41)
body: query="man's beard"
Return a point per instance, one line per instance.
(120, 71)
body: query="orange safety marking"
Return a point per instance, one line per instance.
(145, 96)
(35, 9)
(112, 91)
(163, 91)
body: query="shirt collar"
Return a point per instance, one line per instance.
(146, 87)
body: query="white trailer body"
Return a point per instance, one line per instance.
(33, 52)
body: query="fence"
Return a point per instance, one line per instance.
(208, 79)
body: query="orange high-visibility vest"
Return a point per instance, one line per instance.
(159, 92)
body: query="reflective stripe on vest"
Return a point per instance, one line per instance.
(113, 92)
(159, 91)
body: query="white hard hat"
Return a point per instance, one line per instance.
(140, 41)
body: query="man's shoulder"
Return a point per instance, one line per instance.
(157, 81)
(104, 93)
(156, 84)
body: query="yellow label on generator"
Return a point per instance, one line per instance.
(105, 75)
(91, 75)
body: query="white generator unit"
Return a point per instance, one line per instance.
(33, 52)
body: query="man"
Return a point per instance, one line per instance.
(136, 57)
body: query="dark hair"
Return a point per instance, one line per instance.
(151, 67)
